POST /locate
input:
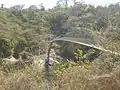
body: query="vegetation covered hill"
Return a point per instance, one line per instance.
(26, 32)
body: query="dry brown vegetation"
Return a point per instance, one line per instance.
(29, 78)
(89, 77)
(98, 75)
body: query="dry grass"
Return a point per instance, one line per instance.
(29, 78)
(89, 77)
(93, 76)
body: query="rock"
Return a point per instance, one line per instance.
(10, 60)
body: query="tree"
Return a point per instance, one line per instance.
(9, 40)
(42, 8)
(64, 2)
(2, 5)
(17, 9)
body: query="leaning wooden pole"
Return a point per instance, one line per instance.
(47, 69)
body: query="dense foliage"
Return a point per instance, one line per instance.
(30, 29)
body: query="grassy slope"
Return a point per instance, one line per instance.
(89, 77)
(28, 78)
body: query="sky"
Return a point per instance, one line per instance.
(51, 3)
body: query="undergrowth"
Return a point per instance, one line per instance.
(28, 78)
(101, 74)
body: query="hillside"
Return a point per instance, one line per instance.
(25, 35)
